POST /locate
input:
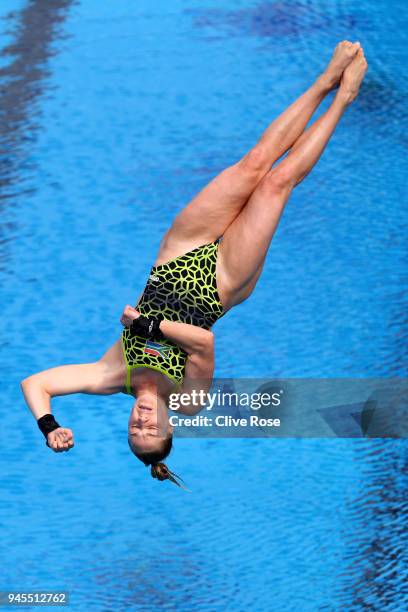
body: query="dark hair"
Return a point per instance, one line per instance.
(153, 457)
(158, 469)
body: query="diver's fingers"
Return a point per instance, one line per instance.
(69, 439)
(61, 437)
(129, 315)
(51, 439)
(60, 440)
(60, 443)
(65, 446)
(68, 434)
(54, 445)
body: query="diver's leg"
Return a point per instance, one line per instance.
(246, 242)
(215, 207)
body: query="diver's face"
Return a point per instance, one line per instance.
(148, 422)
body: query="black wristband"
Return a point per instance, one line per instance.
(47, 424)
(148, 328)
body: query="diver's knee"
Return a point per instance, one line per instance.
(256, 160)
(280, 180)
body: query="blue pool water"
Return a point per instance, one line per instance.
(113, 115)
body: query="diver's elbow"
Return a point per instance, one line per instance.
(27, 382)
(206, 344)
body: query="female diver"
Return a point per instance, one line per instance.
(166, 344)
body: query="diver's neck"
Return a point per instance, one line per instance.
(146, 386)
(146, 382)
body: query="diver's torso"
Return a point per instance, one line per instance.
(185, 290)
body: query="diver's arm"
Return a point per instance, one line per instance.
(38, 389)
(190, 338)
(198, 375)
(197, 380)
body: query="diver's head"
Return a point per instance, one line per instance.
(149, 430)
(150, 434)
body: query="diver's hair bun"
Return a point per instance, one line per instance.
(161, 472)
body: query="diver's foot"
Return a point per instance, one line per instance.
(353, 77)
(343, 55)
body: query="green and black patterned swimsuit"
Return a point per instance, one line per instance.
(184, 290)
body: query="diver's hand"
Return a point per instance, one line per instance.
(129, 315)
(60, 440)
